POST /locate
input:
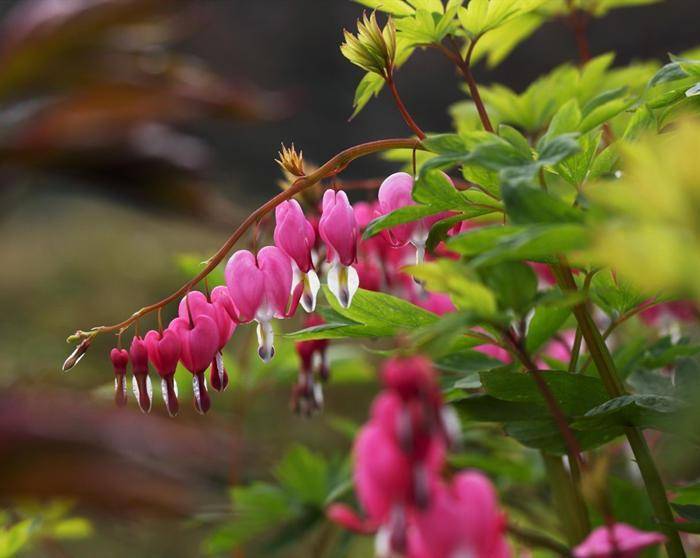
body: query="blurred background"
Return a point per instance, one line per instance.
(134, 135)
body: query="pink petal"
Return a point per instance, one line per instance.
(199, 342)
(338, 227)
(277, 275)
(294, 235)
(163, 350)
(245, 284)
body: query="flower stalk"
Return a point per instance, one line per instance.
(331, 168)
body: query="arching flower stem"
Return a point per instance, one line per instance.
(330, 168)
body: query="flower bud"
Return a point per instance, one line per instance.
(76, 356)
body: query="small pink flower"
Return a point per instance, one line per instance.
(120, 360)
(463, 520)
(617, 541)
(494, 351)
(164, 353)
(199, 342)
(219, 308)
(296, 237)
(141, 384)
(396, 192)
(259, 287)
(339, 231)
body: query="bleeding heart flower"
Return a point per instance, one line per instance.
(259, 287)
(199, 342)
(396, 192)
(338, 229)
(141, 384)
(463, 520)
(295, 236)
(616, 541)
(219, 307)
(120, 360)
(307, 395)
(164, 353)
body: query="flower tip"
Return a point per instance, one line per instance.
(76, 356)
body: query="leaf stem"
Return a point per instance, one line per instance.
(464, 65)
(567, 500)
(330, 168)
(389, 78)
(606, 368)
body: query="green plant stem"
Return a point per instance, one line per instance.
(538, 540)
(606, 368)
(575, 351)
(567, 500)
(331, 168)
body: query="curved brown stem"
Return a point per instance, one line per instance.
(330, 168)
(402, 108)
(464, 65)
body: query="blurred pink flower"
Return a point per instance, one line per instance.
(617, 541)
(463, 520)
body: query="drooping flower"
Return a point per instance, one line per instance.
(338, 229)
(141, 383)
(120, 360)
(395, 193)
(164, 353)
(296, 237)
(399, 454)
(259, 287)
(617, 541)
(463, 520)
(226, 322)
(307, 395)
(219, 307)
(199, 342)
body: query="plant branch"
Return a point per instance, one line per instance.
(572, 445)
(464, 65)
(578, 21)
(330, 168)
(606, 368)
(389, 78)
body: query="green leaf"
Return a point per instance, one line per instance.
(614, 295)
(544, 435)
(400, 216)
(575, 393)
(466, 365)
(690, 512)
(394, 7)
(257, 507)
(304, 475)
(369, 87)
(687, 494)
(492, 245)
(605, 112)
(382, 311)
(645, 411)
(575, 170)
(455, 279)
(513, 283)
(435, 189)
(545, 322)
(525, 205)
